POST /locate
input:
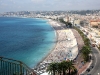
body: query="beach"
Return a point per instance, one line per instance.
(66, 47)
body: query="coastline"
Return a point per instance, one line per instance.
(47, 47)
(56, 38)
(61, 51)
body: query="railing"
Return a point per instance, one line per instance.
(14, 67)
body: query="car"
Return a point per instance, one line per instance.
(91, 66)
(88, 69)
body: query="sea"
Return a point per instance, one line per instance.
(26, 39)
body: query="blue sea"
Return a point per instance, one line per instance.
(26, 39)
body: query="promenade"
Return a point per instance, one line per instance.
(66, 47)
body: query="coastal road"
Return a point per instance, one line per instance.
(96, 61)
(95, 66)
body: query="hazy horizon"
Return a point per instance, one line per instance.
(48, 5)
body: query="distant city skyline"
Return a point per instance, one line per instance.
(47, 5)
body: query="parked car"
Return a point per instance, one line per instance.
(88, 69)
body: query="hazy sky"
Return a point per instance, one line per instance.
(34, 5)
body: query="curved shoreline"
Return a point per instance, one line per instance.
(61, 50)
(56, 38)
(46, 47)
(62, 35)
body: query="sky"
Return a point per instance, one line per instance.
(48, 5)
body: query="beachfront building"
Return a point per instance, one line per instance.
(95, 23)
(69, 19)
(76, 22)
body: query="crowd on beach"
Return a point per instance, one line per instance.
(65, 49)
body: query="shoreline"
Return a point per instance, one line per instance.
(61, 51)
(56, 38)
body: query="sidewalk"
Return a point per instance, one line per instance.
(81, 67)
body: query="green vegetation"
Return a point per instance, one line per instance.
(68, 24)
(62, 68)
(62, 21)
(85, 39)
(85, 53)
(86, 50)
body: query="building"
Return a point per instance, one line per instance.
(69, 19)
(77, 22)
(95, 23)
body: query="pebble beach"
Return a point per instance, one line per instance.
(66, 47)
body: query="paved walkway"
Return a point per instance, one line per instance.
(78, 64)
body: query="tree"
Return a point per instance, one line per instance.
(69, 24)
(59, 68)
(71, 67)
(86, 41)
(85, 52)
(64, 67)
(52, 68)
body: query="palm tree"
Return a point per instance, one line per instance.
(59, 68)
(64, 67)
(85, 53)
(86, 41)
(71, 67)
(52, 68)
